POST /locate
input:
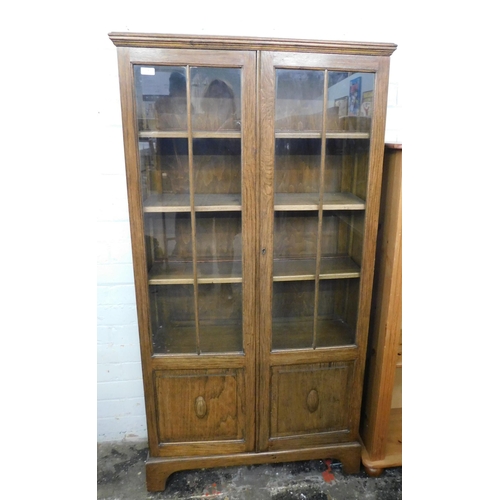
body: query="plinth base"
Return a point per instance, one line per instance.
(158, 469)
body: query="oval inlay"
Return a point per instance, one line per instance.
(200, 407)
(312, 401)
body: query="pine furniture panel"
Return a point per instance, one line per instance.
(381, 428)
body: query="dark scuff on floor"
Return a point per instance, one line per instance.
(121, 476)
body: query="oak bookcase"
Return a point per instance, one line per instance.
(253, 173)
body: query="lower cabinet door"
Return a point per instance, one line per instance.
(201, 411)
(311, 404)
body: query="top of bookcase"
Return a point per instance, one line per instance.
(156, 40)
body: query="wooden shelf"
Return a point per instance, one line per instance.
(202, 203)
(305, 269)
(180, 134)
(157, 203)
(317, 135)
(181, 273)
(297, 333)
(310, 201)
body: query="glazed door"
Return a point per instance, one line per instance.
(193, 199)
(318, 210)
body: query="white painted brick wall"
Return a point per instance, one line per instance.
(120, 405)
(120, 396)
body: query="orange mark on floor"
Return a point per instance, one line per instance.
(328, 474)
(212, 490)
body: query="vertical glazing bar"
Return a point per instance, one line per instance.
(148, 165)
(354, 190)
(152, 237)
(320, 209)
(191, 202)
(165, 236)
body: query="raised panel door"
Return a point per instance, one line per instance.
(312, 401)
(196, 406)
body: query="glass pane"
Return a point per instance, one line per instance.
(169, 251)
(346, 172)
(173, 319)
(295, 243)
(166, 150)
(293, 314)
(217, 173)
(299, 100)
(341, 244)
(216, 99)
(297, 173)
(164, 173)
(161, 98)
(337, 312)
(315, 303)
(220, 316)
(350, 101)
(294, 269)
(218, 246)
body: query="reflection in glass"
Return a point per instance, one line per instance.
(191, 173)
(216, 99)
(161, 97)
(299, 100)
(350, 101)
(218, 246)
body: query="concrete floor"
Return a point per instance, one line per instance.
(121, 476)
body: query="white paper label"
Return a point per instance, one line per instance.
(148, 71)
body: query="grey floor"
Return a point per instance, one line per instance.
(121, 476)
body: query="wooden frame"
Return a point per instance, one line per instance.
(151, 364)
(268, 359)
(254, 386)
